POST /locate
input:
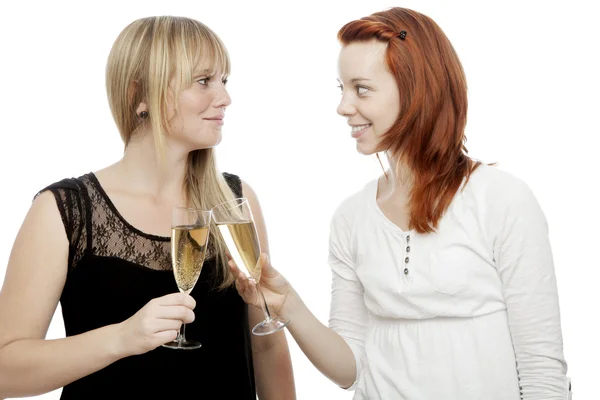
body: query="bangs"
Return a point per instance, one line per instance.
(210, 57)
(204, 53)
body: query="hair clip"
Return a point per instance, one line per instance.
(402, 35)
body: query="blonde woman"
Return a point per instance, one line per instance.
(100, 244)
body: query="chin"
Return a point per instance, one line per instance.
(365, 149)
(209, 143)
(217, 141)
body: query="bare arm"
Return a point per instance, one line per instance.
(33, 284)
(35, 277)
(326, 349)
(272, 362)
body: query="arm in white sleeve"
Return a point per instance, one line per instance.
(525, 266)
(348, 313)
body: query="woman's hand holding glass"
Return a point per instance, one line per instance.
(189, 240)
(275, 288)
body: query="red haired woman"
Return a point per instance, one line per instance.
(443, 279)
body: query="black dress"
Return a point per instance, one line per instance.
(114, 270)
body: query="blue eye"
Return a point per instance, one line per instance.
(360, 90)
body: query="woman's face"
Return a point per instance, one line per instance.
(370, 98)
(201, 111)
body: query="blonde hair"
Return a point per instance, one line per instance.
(152, 61)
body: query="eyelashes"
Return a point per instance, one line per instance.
(360, 90)
(204, 81)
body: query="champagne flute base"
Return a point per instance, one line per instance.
(269, 327)
(183, 345)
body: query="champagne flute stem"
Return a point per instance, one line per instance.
(182, 333)
(263, 304)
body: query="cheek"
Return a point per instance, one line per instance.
(196, 107)
(202, 105)
(390, 118)
(194, 103)
(386, 117)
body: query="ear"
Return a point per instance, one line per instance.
(133, 94)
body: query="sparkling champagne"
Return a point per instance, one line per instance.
(188, 248)
(243, 245)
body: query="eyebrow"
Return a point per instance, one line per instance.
(353, 80)
(207, 71)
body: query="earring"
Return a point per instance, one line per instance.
(144, 114)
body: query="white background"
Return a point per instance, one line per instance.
(532, 71)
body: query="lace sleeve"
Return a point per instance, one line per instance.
(71, 207)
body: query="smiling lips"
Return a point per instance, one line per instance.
(358, 130)
(218, 120)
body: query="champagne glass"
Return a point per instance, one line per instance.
(236, 225)
(189, 238)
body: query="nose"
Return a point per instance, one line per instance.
(222, 98)
(346, 108)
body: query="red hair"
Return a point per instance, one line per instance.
(428, 135)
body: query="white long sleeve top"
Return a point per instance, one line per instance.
(468, 312)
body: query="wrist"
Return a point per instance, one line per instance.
(291, 305)
(116, 347)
